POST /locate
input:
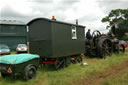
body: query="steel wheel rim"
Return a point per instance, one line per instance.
(59, 63)
(106, 48)
(31, 73)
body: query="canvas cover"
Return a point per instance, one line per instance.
(17, 58)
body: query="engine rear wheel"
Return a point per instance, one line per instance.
(104, 48)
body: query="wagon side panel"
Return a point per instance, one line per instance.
(40, 38)
(62, 42)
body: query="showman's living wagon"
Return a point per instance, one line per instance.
(55, 41)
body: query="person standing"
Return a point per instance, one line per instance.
(88, 35)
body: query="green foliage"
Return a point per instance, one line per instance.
(124, 38)
(119, 17)
(106, 19)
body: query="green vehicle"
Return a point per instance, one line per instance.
(24, 64)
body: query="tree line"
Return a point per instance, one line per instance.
(119, 17)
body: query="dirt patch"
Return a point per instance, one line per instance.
(99, 77)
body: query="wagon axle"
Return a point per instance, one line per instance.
(62, 61)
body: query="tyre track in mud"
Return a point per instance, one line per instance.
(101, 76)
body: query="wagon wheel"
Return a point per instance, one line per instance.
(59, 63)
(104, 48)
(74, 60)
(79, 59)
(121, 49)
(30, 72)
(96, 34)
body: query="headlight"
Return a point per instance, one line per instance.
(25, 48)
(19, 48)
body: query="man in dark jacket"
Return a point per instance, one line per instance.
(88, 35)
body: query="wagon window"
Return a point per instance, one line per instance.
(74, 34)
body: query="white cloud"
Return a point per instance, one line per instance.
(88, 12)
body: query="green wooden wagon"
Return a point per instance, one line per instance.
(55, 41)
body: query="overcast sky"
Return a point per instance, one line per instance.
(88, 12)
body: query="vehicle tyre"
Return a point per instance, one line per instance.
(4, 75)
(30, 72)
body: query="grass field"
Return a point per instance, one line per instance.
(77, 74)
(119, 79)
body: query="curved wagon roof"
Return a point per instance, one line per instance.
(51, 20)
